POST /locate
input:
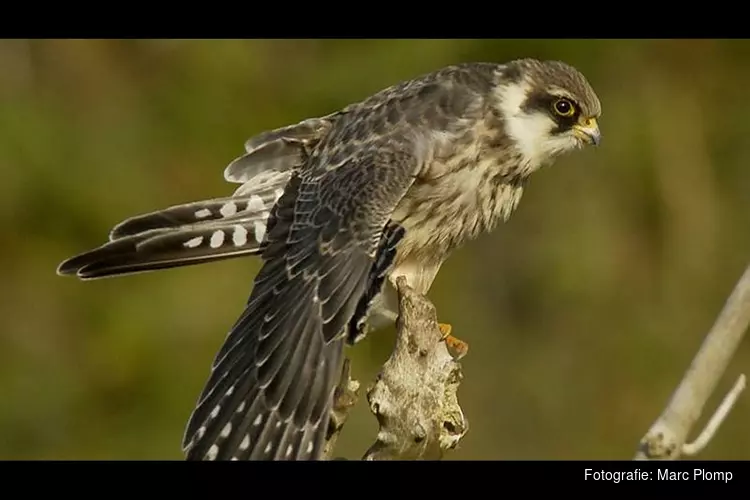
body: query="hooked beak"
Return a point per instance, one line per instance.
(588, 131)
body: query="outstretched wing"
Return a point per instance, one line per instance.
(271, 387)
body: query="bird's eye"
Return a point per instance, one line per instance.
(564, 107)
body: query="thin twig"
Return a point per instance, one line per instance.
(713, 425)
(345, 397)
(667, 436)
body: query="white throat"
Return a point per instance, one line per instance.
(532, 132)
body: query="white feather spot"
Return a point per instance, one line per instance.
(239, 236)
(268, 448)
(228, 210)
(217, 239)
(289, 451)
(226, 430)
(201, 432)
(309, 447)
(230, 391)
(241, 407)
(278, 424)
(258, 420)
(215, 411)
(255, 204)
(245, 444)
(202, 213)
(212, 452)
(234, 459)
(260, 231)
(193, 242)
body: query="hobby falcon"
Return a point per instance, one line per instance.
(336, 208)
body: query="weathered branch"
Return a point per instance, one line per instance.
(414, 397)
(667, 437)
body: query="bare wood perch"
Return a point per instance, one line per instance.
(414, 397)
(666, 439)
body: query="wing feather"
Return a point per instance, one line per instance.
(331, 240)
(292, 333)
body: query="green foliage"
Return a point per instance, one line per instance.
(581, 313)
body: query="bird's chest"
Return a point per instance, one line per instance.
(460, 193)
(456, 199)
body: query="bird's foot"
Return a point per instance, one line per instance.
(456, 347)
(445, 329)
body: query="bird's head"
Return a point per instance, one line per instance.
(548, 108)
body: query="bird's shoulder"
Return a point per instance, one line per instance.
(447, 88)
(392, 119)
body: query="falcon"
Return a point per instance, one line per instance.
(336, 207)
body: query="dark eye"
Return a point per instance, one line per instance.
(564, 107)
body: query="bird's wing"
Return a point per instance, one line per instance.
(207, 230)
(270, 391)
(276, 150)
(330, 241)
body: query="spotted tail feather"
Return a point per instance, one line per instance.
(181, 235)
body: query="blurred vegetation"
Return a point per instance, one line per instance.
(581, 313)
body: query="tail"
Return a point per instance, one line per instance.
(211, 230)
(181, 235)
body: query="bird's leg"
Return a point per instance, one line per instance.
(457, 347)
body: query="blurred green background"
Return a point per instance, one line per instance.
(582, 313)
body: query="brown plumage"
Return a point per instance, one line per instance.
(337, 207)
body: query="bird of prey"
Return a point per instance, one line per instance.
(336, 207)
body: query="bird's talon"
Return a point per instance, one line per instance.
(456, 347)
(445, 329)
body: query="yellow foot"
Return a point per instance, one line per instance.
(456, 347)
(445, 329)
